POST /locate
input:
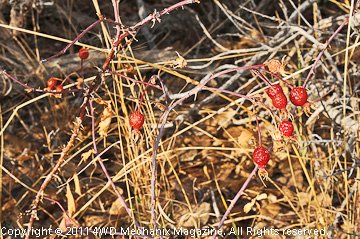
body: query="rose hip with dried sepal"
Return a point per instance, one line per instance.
(51, 83)
(279, 101)
(136, 121)
(286, 128)
(298, 96)
(59, 88)
(83, 53)
(273, 90)
(261, 157)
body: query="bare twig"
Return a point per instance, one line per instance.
(236, 198)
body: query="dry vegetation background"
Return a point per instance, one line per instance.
(205, 153)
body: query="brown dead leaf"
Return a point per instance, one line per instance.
(101, 101)
(91, 220)
(220, 119)
(270, 210)
(87, 154)
(105, 120)
(261, 196)
(69, 169)
(199, 217)
(272, 198)
(8, 205)
(287, 179)
(77, 184)
(250, 205)
(224, 171)
(194, 140)
(70, 201)
(65, 223)
(80, 81)
(10, 211)
(188, 155)
(117, 208)
(245, 136)
(324, 199)
(243, 43)
(240, 134)
(304, 198)
(20, 151)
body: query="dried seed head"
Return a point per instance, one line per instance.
(130, 70)
(180, 62)
(275, 66)
(153, 80)
(160, 106)
(80, 81)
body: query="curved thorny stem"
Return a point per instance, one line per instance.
(131, 79)
(143, 94)
(236, 198)
(258, 126)
(63, 51)
(281, 79)
(32, 89)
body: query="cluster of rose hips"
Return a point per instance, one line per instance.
(52, 82)
(298, 97)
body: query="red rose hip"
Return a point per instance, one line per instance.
(286, 128)
(59, 88)
(298, 96)
(273, 90)
(51, 83)
(279, 101)
(261, 156)
(136, 121)
(83, 53)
